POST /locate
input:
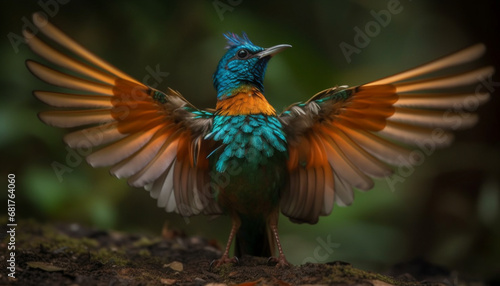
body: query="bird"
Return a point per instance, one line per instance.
(242, 158)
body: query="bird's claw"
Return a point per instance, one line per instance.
(224, 260)
(280, 262)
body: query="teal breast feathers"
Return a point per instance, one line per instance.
(254, 137)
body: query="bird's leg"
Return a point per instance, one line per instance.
(225, 256)
(281, 259)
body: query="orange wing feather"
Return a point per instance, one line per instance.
(150, 137)
(357, 130)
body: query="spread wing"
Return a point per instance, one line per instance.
(343, 137)
(154, 139)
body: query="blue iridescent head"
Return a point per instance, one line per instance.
(243, 64)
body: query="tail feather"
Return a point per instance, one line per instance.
(254, 238)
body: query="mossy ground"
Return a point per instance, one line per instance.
(69, 254)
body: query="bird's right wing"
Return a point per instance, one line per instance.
(153, 138)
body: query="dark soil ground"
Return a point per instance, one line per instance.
(69, 254)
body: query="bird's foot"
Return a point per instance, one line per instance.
(224, 260)
(280, 261)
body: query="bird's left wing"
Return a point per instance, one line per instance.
(154, 139)
(343, 137)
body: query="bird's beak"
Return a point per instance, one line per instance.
(272, 51)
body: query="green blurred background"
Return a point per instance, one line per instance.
(446, 211)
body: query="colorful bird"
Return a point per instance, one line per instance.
(243, 159)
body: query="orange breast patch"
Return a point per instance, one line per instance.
(245, 101)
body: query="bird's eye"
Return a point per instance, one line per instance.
(242, 53)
